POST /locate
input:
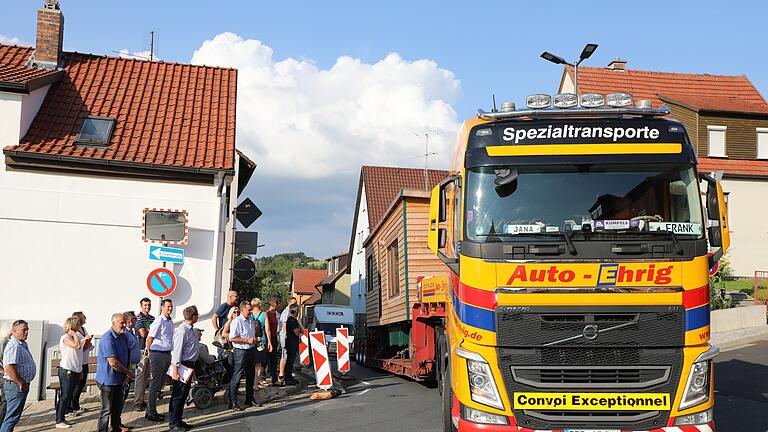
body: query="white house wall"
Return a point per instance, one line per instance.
(10, 118)
(30, 105)
(747, 214)
(73, 242)
(357, 260)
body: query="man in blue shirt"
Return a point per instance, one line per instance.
(19, 370)
(112, 373)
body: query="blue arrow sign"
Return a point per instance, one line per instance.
(171, 255)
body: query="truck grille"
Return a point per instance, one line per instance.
(593, 377)
(591, 369)
(598, 326)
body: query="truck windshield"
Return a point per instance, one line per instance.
(506, 203)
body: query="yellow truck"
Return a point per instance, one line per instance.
(579, 238)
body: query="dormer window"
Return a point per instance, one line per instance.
(95, 131)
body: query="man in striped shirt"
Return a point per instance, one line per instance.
(19, 370)
(143, 321)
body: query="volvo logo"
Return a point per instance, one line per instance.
(590, 332)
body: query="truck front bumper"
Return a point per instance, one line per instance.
(468, 426)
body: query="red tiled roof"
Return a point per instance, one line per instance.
(383, 184)
(650, 84)
(745, 167)
(710, 103)
(303, 281)
(13, 69)
(167, 114)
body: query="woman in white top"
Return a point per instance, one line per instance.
(75, 409)
(70, 368)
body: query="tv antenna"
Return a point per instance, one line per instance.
(427, 154)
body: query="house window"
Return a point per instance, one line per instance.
(716, 136)
(762, 143)
(330, 267)
(95, 131)
(393, 269)
(369, 273)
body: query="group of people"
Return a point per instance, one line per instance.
(18, 369)
(256, 342)
(139, 349)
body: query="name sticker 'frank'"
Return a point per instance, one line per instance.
(522, 229)
(676, 227)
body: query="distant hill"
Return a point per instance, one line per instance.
(273, 275)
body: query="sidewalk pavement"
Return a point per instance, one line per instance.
(40, 416)
(739, 338)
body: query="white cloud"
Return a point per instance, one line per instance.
(296, 119)
(140, 55)
(11, 40)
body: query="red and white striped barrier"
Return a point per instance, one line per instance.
(304, 348)
(342, 349)
(320, 358)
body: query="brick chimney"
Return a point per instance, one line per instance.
(617, 64)
(50, 35)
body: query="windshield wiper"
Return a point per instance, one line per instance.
(678, 247)
(564, 235)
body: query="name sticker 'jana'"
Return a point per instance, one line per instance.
(522, 229)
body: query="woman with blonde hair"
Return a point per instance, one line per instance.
(70, 367)
(75, 409)
(258, 316)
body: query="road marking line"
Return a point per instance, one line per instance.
(366, 383)
(218, 425)
(364, 392)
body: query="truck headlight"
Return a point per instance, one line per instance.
(698, 384)
(482, 385)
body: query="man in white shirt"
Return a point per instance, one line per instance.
(242, 334)
(159, 345)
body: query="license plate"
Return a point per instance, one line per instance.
(591, 430)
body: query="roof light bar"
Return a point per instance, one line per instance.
(565, 100)
(618, 100)
(592, 100)
(538, 101)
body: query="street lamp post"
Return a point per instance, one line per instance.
(585, 54)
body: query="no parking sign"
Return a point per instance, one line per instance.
(161, 282)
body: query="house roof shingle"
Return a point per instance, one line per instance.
(167, 114)
(382, 184)
(303, 281)
(716, 92)
(737, 167)
(16, 76)
(710, 103)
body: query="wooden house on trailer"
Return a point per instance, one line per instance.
(397, 256)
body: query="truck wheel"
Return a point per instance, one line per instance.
(440, 370)
(447, 402)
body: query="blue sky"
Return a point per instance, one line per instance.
(489, 47)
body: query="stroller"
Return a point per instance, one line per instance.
(209, 378)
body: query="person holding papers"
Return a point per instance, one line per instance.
(183, 358)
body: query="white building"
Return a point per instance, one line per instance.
(72, 198)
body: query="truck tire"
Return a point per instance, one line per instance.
(447, 402)
(440, 357)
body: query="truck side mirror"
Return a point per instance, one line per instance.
(718, 231)
(433, 240)
(442, 235)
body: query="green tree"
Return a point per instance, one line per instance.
(273, 275)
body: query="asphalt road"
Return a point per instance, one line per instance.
(378, 402)
(375, 402)
(741, 389)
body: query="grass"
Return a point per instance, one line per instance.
(744, 285)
